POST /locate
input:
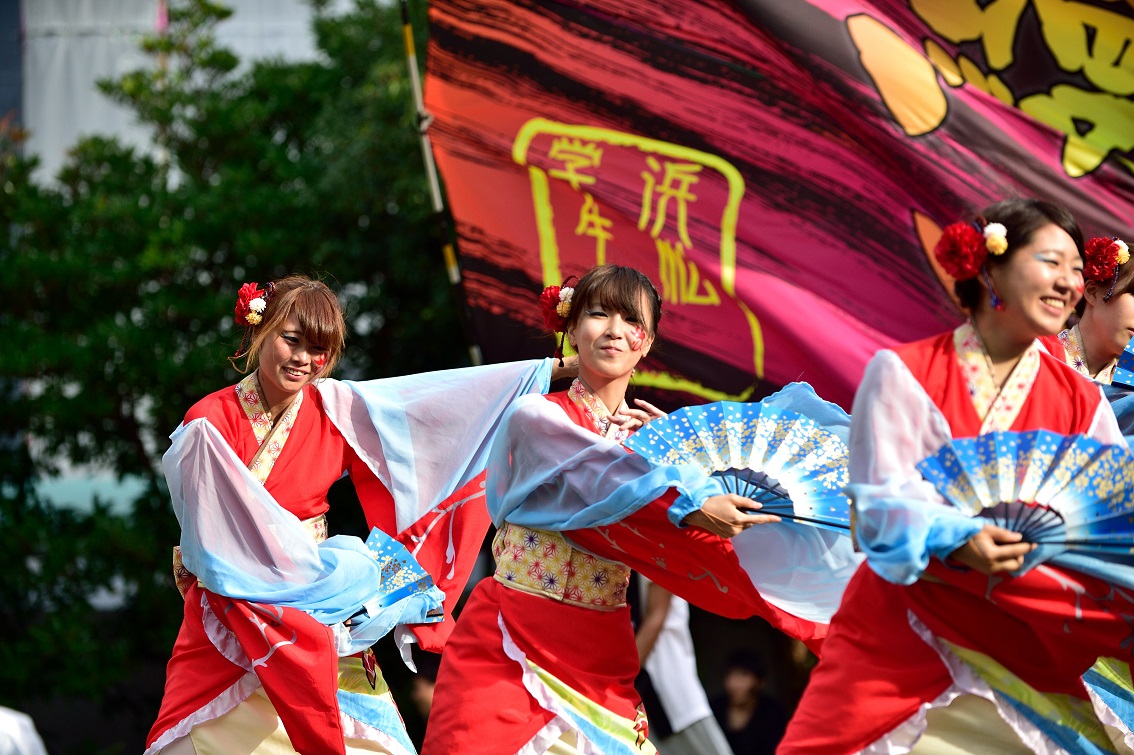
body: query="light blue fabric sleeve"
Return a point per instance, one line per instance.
(238, 541)
(901, 520)
(548, 473)
(426, 436)
(683, 505)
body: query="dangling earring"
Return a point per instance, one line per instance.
(996, 301)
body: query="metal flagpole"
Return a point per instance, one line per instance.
(423, 120)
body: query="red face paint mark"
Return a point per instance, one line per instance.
(1080, 288)
(637, 337)
(319, 361)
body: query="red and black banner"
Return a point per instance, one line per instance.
(778, 169)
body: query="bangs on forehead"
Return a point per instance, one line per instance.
(318, 318)
(619, 293)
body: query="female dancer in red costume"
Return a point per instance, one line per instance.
(276, 613)
(941, 645)
(543, 658)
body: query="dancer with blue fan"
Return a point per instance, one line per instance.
(989, 484)
(550, 634)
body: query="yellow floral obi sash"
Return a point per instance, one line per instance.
(544, 563)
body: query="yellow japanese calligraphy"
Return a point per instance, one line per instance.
(1095, 124)
(1092, 45)
(993, 24)
(1093, 40)
(675, 183)
(671, 174)
(576, 155)
(680, 279)
(592, 223)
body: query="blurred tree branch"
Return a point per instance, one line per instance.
(118, 286)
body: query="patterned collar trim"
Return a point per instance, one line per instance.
(996, 407)
(598, 413)
(271, 440)
(1076, 355)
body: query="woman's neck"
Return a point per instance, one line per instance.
(1002, 346)
(1095, 354)
(610, 391)
(277, 403)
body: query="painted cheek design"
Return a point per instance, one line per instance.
(319, 361)
(637, 338)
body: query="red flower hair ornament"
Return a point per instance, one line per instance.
(250, 304)
(555, 306)
(1104, 256)
(251, 301)
(964, 247)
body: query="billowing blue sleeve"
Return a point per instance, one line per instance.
(548, 473)
(427, 436)
(900, 519)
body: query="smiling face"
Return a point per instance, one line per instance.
(1107, 326)
(610, 342)
(289, 361)
(1039, 284)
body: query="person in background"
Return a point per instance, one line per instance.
(753, 722)
(680, 717)
(1106, 312)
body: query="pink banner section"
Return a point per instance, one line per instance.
(778, 169)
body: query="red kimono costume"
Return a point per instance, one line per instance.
(974, 663)
(543, 654)
(238, 664)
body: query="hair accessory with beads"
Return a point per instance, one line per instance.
(251, 302)
(964, 247)
(1104, 256)
(555, 306)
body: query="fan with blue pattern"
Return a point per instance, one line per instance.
(1124, 370)
(1068, 492)
(791, 465)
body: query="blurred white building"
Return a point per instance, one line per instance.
(52, 53)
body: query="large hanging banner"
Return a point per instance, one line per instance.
(779, 169)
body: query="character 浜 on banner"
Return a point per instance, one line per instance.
(579, 180)
(780, 169)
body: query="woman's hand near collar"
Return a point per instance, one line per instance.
(637, 417)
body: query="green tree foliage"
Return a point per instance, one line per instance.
(118, 285)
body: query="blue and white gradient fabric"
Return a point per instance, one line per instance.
(548, 473)
(902, 519)
(424, 436)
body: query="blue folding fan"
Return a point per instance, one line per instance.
(1069, 492)
(1124, 370)
(789, 464)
